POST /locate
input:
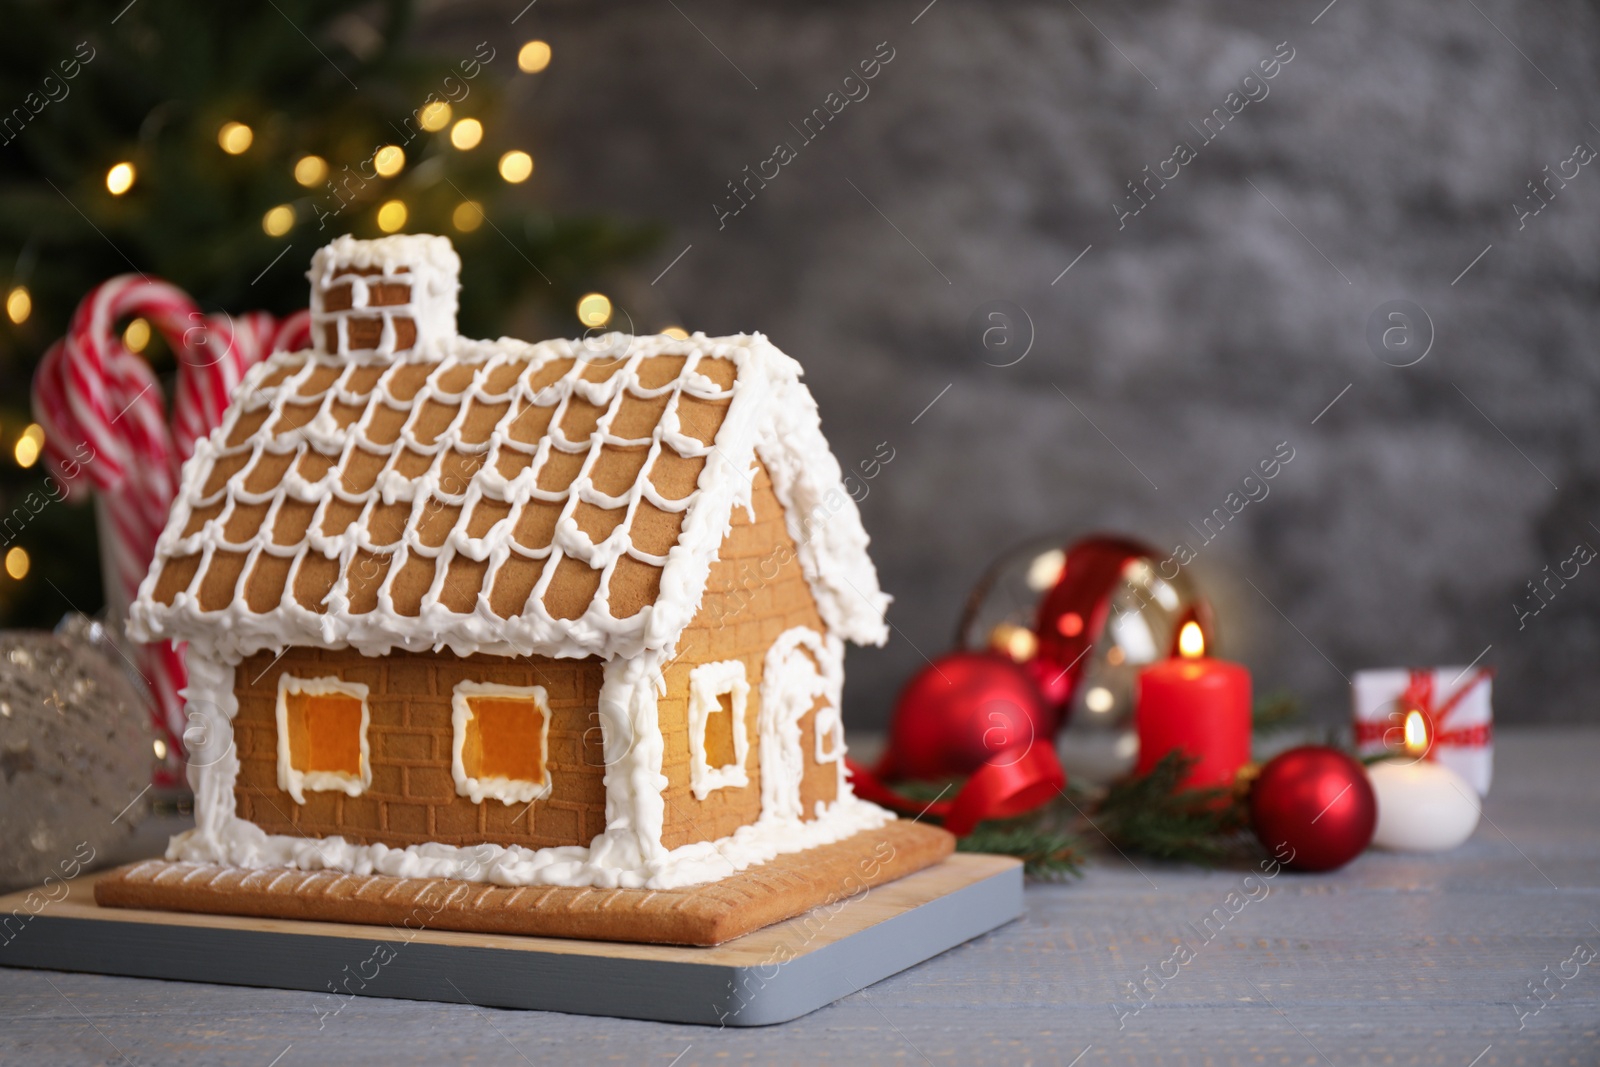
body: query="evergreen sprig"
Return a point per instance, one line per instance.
(1150, 814)
(1274, 712)
(1047, 852)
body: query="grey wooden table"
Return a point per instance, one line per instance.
(1394, 960)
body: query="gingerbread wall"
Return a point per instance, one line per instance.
(756, 591)
(412, 799)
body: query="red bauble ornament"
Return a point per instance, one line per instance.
(1313, 808)
(960, 712)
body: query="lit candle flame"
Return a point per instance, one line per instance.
(1191, 642)
(1416, 734)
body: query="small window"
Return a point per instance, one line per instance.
(830, 734)
(718, 743)
(502, 742)
(322, 737)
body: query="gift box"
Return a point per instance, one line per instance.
(1455, 706)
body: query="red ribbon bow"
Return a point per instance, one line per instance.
(1005, 786)
(1419, 696)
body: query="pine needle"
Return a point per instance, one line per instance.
(1150, 814)
(1046, 853)
(1274, 712)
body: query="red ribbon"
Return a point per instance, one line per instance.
(1006, 785)
(1419, 697)
(1072, 616)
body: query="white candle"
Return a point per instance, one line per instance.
(1422, 807)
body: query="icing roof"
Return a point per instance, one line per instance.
(565, 498)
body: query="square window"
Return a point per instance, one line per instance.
(502, 738)
(718, 741)
(322, 737)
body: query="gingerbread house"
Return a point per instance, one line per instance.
(569, 613)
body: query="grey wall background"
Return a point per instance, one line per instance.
(1221, 320)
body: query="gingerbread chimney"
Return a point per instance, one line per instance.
(383, 297)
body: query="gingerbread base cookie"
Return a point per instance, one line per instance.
(696, 915)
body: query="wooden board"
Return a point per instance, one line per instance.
(696, 915)
(770, 976)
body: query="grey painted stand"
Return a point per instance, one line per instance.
(770, 976)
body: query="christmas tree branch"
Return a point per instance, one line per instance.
(1274, 712)
(1151, 814)
(1045, 851)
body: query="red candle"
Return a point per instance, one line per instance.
(1199, 705)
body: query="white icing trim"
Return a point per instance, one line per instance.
(707, 683)
(213, 758)
(790, 685)
(429, 265)
(829, 725)
(822, 518)
(243, 844)
(506, 790)
(635, 802)
(292, 779)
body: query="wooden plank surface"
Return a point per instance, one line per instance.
(1395, 960)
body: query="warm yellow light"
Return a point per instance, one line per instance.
(235, 137)
(467, 216)
(310, 170)
(391, 216)
(1191, 642)
(389, 160)
(1045, 570)
(1099, 700)
(466, 134)
(19, 304)
(159, 747)
(136, 337)
(1015, 641)
(434, 117)
(1416, 733)
(17, 562)
(677, 333)
(516, 166)
(533, 57)
(594, 309)
(278, 221)
(29, 445)
(119, 179)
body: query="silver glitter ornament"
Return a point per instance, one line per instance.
(76, 752)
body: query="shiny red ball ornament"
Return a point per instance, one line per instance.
(960, 712)
(1313, 808)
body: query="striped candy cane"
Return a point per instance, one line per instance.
(105, 424)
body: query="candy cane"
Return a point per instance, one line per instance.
(105, 423)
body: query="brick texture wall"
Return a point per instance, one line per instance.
(412, 799)
(756, 591)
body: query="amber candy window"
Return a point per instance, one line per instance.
(719, 733)
(718, 742)
(322, 736)
(501, 742)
